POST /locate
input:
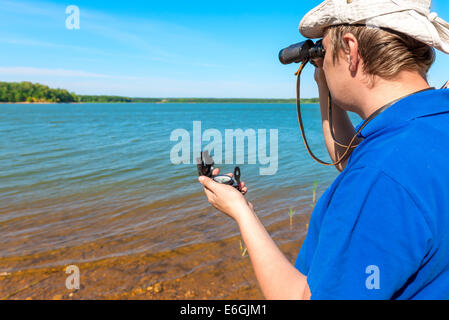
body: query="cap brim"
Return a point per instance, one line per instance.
(316, 21)
(314, 24)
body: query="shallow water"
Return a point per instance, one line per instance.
(84, 182)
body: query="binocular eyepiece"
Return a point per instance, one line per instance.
(305, 50)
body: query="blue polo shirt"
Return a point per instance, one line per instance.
(381, 230)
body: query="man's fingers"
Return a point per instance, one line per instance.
(242, 188)
(318, 62)
(208, 183)
(216, 172)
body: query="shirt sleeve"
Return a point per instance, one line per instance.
(371, 241)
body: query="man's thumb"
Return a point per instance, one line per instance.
(206, 182)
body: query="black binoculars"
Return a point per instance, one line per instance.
(302, 51)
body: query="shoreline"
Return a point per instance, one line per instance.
(199, 102)
(211, 270)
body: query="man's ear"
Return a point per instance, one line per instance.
(352, 53)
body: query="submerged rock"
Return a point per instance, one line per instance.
(157, 288)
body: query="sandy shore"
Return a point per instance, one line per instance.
(215, 270)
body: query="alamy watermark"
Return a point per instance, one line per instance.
(188, 148)
(373, 280)
(73, 280)
(72, 21)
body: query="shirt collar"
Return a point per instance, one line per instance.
(417, 105)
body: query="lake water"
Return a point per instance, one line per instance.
(92, 181)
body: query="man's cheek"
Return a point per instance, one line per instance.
(327, 72)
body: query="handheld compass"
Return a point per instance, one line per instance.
(205, 165)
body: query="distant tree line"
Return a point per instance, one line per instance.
(35, 92)
(116, 99)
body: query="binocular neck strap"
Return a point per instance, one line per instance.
(351, 145)
(446, 86)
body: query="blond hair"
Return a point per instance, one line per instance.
(385, 52)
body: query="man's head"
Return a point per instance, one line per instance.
(361, 55)
(384, 52)
(375, 43)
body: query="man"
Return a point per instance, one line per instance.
(381, 230)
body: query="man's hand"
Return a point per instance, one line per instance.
(226, 198)
(277, 277)
(320, 77)
(343, 128)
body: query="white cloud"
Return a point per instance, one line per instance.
(33, 72)
(82, 82)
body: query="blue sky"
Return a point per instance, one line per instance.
(162, 48)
